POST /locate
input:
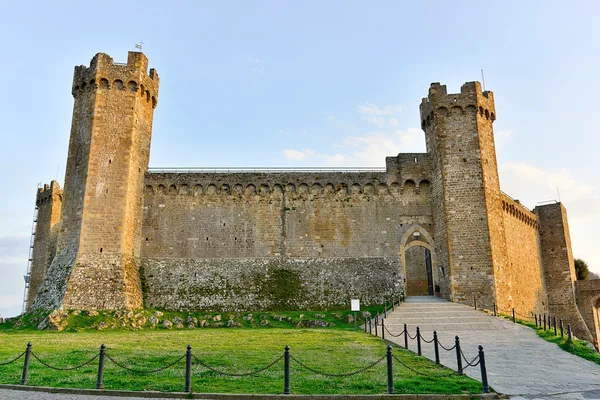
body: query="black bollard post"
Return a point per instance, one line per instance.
(494, 309)
(459, 368)
(554, 324)
(188, 369)
(383, 329)
(286, 370)
(569, 334)
(390, 374)
(544, 322)
(436, 347)
(384, 309)
(25, 375)
(100, 380)
(485, 388)
(418, 341)
(366, 325)
(405, 337)
(514, 318)
(393, 303)
(376, 323)
(562, 328)
(536, 322)
(475, 302)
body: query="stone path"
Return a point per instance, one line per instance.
(518, 361)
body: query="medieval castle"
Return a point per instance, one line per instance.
(119, 236)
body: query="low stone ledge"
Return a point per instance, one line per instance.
(227, 396)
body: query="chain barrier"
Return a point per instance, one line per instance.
(199, 361)
(470, 364)
(445, 348)
(314, 371)
(410, 337)
(45, 364)
(427, 341)
(13, 360)
(391, 334)
(421, 373)
(139, 371)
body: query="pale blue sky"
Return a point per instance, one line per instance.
(273, 83)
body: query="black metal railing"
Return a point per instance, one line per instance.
(192, 360)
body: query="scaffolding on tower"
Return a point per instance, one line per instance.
(27, 275)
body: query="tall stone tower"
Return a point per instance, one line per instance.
(97, 258)
(469, 227)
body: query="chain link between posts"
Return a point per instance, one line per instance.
(314, 371)
(213, 369)
(45, 364)
(140, 371)
(13, 360)
(421, 373)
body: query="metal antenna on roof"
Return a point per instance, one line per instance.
(139, 45)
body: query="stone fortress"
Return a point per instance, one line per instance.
(119, 236)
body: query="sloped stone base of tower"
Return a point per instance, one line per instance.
(269, 284)
(571, 315)
(98, 282)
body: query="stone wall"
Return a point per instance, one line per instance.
(48, 202)
(269, 283)
(458, 130)
(521, 284)
(587, 293)
(559, 267)
(348, 222)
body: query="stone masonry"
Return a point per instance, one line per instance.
(120, 237)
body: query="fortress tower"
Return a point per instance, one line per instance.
(465, 193)
(98, 248)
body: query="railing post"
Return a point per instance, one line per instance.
(376, 323)
(188, 369)
(514, 318)
(436, 347)
(554, 324)
(544, 322)
(475, 301)
(418, 341)
(459, 368)
(494, 309)
(25, 375)
(366, 325)
(383, 329)
(569, 333)
(536, 322)
(100, 380)
(384, 309)
(370, 326)
(405, 337)
(390, 375)
(484, 381)
(286, 370)
(393, 307)
(562, 328)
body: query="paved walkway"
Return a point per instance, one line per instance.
(518, 361)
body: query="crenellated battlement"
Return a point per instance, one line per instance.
(471, 99)
(276, 184)
(515, 209)
(104, 74)
(47, 193)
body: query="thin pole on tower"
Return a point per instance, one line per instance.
(482, 80)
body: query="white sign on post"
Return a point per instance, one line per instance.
(355, 305)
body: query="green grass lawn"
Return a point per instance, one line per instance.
(234, 350)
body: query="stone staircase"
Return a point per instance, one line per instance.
(518, 361)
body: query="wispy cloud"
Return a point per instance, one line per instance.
(369, 149)
(257, 65)
(378, 115)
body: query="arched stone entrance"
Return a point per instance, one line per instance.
(419, 263)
